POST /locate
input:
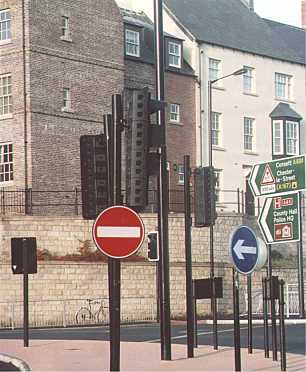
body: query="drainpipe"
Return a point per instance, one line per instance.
(25, 115)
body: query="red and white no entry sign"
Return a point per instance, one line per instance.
(118, 232)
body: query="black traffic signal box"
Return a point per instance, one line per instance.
(24, 256)
(204, 196)
(153, 246)
(94, 175)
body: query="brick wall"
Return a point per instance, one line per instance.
(91, 66)
(303, 7)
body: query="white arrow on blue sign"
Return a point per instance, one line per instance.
(248, 253)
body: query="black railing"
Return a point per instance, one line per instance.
(69, 202)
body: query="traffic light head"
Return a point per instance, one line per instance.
(94, 175)
(153, 246)
(137, 118)
(204, 196)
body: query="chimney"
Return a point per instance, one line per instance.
(251, 5)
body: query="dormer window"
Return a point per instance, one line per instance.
(174, 50)
(132, 43)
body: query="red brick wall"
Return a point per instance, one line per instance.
(181, 140)
(304, 13)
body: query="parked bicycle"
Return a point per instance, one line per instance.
(86, 314)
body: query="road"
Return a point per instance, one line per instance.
(295, 334)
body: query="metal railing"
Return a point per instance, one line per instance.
(69, 202)
(62, 313)
(291, 301)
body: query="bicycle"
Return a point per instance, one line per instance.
(85, 314)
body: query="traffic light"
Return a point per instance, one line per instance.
(18, 245)
(153, 246)
(137, 147)
(94, 175)
(204, 196)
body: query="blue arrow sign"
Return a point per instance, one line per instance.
(243, 249)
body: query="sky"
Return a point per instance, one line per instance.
(285, 11)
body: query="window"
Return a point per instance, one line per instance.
(5, 25)
(292, 137)
(283, 86)
(180, 171)
(174, 113)
(249, 134)
(218, 185)
(174, 54)
(65, 28)
(66, 99)
(132, 43)
(215, 128)
(5, 95)
(6, 162)
(278, 137)
(249, 80)
(214, 69)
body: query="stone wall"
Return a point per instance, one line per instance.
(59, 289)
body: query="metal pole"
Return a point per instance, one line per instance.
(236, 321)
(188, 257)
(301, 265)
(163, 180)
(195, 320)
(250, 325)
(114, 267)
(211, 228)
(282, 330)
(25, 294)
(265, 316)
(272, 305)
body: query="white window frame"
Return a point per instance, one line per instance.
(132, 41)
(218, 187)
(181, 174)
(216, 128)
(66, 99)
(279, 137)
(6, 163)
(5, 26)
(283, 86)
(65, 27)
(174, 113)
(294, 139)
(6, 96)
(249, 80)
(249, 134)
(174, 50)
(214, 69)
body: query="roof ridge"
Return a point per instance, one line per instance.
(284, 24)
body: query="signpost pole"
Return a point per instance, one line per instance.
(25, 294)
(188, 256)
(301, 265)
(282, 336)
(272, 305)
(265, 316)
(114, 266)
(250, 325)
(236, 321)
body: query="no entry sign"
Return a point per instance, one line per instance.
(118, 232)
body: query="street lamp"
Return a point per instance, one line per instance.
(241, 71)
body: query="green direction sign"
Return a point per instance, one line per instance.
(278, 176)
(279, 220)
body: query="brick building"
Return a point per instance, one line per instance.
(179, 88)
(74, 57)
(73, 63)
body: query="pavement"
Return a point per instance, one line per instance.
(75, 355)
